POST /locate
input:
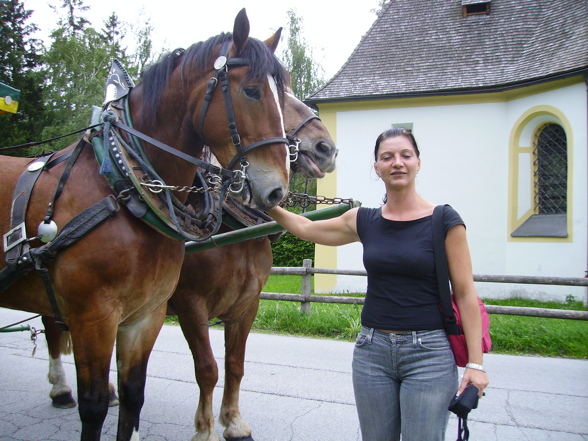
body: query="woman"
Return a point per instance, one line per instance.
(404, 373)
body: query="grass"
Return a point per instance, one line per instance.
(516, 335)
(511, 334)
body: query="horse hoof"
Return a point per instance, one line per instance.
(65, 401)
(112, 399)
(243, 438)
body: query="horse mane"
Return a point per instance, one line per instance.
(195, 60)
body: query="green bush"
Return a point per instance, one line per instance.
(291, 251)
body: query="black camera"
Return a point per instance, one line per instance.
(462, 404)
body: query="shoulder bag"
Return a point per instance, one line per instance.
(451, 318)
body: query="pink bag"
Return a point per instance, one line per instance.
(458, 342)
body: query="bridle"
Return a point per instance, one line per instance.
(294, 141)
(221, 75)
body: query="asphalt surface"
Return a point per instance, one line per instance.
(294, 388)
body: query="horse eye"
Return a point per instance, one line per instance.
(253, 92)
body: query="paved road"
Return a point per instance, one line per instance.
(296, 389)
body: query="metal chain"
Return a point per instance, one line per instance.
(305, 200)
(156, 186)
(34, 333)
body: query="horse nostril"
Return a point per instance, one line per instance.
(325, 149)
(322, 148)
(275, 196)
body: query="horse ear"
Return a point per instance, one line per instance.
(241, 30)
(273, 41)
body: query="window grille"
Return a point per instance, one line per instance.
(551, 170)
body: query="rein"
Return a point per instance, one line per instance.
(111, 117)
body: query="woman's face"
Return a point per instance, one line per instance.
(397, 163)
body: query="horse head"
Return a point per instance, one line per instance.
(225, 93)
(316, 152)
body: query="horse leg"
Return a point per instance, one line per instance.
(59, 343)
(236, 333)
(93, 342)
(60, 394)
(134, 343)
(193, 318)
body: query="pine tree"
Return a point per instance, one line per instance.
(20, 68)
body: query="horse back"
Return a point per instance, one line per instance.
(122, 263)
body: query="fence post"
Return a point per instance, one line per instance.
(306, 282)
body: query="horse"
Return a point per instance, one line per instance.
(107, 275)
(241, 270)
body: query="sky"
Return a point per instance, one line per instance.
(332, 29)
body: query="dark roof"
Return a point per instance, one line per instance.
(419, 48)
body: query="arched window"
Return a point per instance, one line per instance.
(551, 170)
(549, 161)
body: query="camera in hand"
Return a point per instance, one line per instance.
(462, 404)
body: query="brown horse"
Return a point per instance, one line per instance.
(113, 283)
(240, 272)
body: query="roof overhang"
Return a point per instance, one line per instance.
(452, 92)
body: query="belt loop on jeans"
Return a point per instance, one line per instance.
(370, 335)
(414, 339)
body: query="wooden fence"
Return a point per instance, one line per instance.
(306, 298)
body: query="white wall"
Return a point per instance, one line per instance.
(465, 163)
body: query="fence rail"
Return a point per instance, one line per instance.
(306, 298)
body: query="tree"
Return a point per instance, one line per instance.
(77, 66)
(74, 22)
(382, 6)
(113, 34)
(307, 75)
(143, 54)
(19, 68)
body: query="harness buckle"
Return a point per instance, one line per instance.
(236, 139)
(211, 86)
(293, 149)
(15, 236)
(240, 177)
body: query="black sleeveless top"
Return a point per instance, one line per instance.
(402, 292)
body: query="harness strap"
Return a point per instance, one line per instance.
(255, 145)
(64, 177)
(15, 241)
(57, 161)
(302, 124)
(38, 258)
(191, 159)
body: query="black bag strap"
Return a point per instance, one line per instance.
(442, 269)
(463, 432)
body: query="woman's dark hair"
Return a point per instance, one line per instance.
(393, 133)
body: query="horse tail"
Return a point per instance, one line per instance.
(65, 343)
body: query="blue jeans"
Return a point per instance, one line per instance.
(403, 384)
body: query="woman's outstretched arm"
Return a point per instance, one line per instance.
(337, 231)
